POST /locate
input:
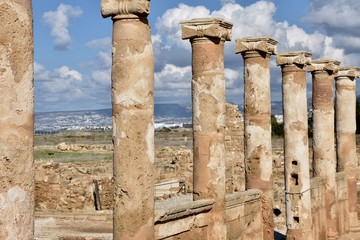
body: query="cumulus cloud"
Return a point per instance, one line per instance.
(339, 20)
(178, 79)
(101, 43)
(223, 2)
(254, 20)
(58, 21)
(101, 73)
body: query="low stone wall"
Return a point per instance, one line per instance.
(189, 220)
(342, 203)
(318, 209)
(66, 187)
(70, 187)
(234, 146)
(243, 215)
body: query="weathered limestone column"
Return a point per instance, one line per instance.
(296, 146)
(256, 52)
(16, 121)
(345, 135)
(324, 160)
(207, 37)
(133, 122)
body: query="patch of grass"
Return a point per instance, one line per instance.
(58, 156)
(104, 137)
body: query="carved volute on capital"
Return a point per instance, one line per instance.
(298, 58)
(328, 65)
(348, 72)
(262, 44)
(111, 8)
(207, 27)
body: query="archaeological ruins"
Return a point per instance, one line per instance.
(232, 180)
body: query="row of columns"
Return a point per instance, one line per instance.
(133, 125)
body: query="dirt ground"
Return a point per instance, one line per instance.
(91, 224)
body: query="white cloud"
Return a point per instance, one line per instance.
(340, 15)
(101, 43)
(223, 2)
(173, 81)
(65, 72)
(58, 21)
(254, 20)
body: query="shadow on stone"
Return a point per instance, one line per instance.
(279, 236)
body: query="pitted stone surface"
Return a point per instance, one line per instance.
(324, 159)
(111, 8)
(16, 121)
(207, 37)
(346, 139)
(256, 52)
(296, 153)
(261, 44)
(207, 27)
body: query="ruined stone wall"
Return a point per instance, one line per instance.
(342, 202)
(69, 186)
(174, 163)
(318, 208)
(234, 149)
(190, 220)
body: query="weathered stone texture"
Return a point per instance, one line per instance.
(16, 121)
(296, 153)
(234, 148)
(207, 37)
(318, 208)
(345, 134)
(133, 120)
(257, 107)
(324, 159)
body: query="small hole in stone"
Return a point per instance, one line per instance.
(294, 179)
(294, 162)
(296, 219)
(277, 212)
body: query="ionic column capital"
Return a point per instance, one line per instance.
(112, 8)
(298, 58)
(348, 72)
(206, 27)
(262, 44)
(324, 65)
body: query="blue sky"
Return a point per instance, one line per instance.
(73, 45)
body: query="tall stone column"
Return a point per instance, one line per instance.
(133, 122)
(207, 37)
(16, 121)
(324, 160)
(345, 135)
(296, 146)
(256, 52)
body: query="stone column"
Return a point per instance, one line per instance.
(207, 37)
(296, 146)
(256, 52)
(133, 122)
(324, 161)
(345, 135)
(16, 121)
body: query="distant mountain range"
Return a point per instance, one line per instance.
(165, 115)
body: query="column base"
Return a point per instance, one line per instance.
(296, 234)
(355, 228)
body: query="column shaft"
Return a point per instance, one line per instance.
(209, 107)
(296, 147)
(133, 129)
(345, 135)
(257, 114)
(16, 121)
(324, 160)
